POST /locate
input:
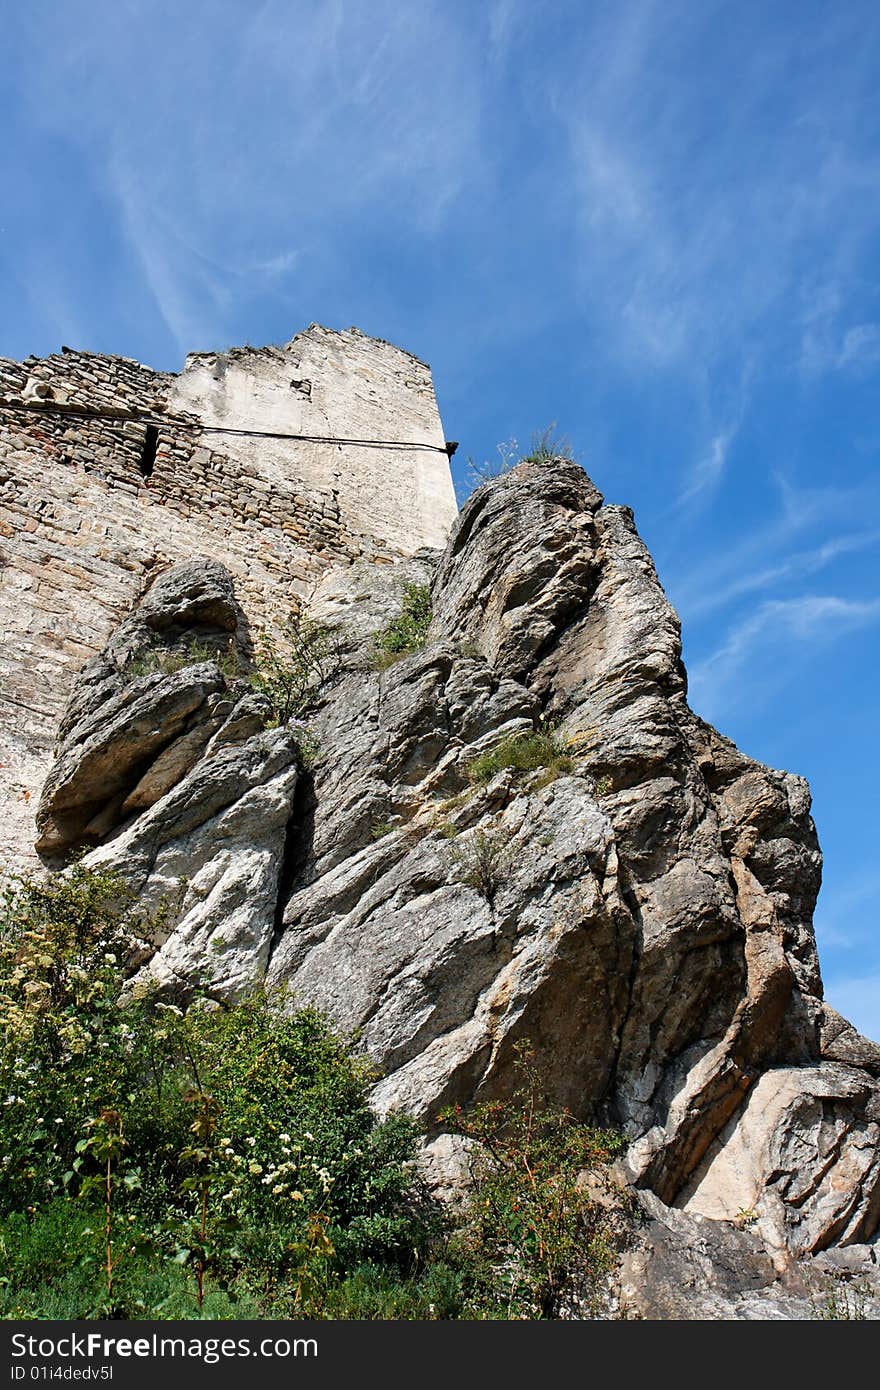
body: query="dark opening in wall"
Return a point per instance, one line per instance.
(148, 452)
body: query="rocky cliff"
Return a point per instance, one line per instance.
(636, 900)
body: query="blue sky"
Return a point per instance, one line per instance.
(655, 224)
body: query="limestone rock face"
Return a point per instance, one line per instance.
(685, 1266)
(638, 905)
(212, 850)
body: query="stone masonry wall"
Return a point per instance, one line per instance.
(83, 531)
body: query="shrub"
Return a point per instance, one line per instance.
(231, 1148)
(535, 1242)
(408, 632)
(293, 673)
(484, 860)
(67, 1049)
(224, 1162)
(522, 753)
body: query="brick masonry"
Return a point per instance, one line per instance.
(83, 531)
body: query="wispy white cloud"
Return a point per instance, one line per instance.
(707, 186)
(861, 346)
(762, 555)
(504, 20)
(709, 470)
(830, 343)
(762, 652)
(689, 250)
(255, 153)
(798, 565)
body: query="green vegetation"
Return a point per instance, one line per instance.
(160, 1163)
(545, 446)
(407, 632)
(293, 673)
(484, 860)
(843, 1302)
(523, 753)
(224, 1162)
(189, 652)
(535, 1242)
(380, 828)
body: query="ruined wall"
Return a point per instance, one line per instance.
(345, 387)
(110, 471)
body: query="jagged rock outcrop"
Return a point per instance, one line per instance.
(640, 908)
(173, 768)
(684, 1266)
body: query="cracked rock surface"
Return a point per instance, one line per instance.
(641, 909)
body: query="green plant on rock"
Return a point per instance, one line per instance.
(745, 1217)
(547, 445)
(406, 633)
(483, 859)
(843, 1302)
(522, 753)
(191, 651)
(535, 1242)
(294, 671)
(380, 828)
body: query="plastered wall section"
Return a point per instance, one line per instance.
(83, 532)
(394, 484)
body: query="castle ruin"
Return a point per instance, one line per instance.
(279, 461)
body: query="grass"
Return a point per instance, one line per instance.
(380, 828)
(169, 660)
(408, 632)
(483, 860)
(547, 446)
(523, 753)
